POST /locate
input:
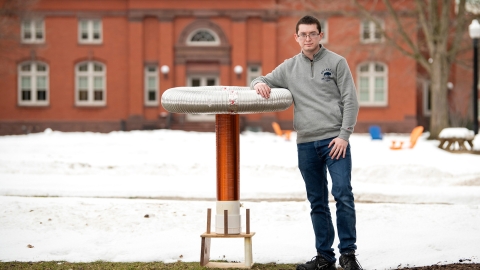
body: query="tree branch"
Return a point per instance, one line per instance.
(368, 15)
(416, 52)
(460, 29)
(443, 33)
(426, 26)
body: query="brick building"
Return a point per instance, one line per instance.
(86, 65)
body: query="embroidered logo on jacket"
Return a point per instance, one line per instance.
(327, 74)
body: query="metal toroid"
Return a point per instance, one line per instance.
(224, 100)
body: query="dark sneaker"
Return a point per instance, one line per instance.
(317, 263)
(348, 261)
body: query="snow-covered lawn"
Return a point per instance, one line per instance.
(69, 196)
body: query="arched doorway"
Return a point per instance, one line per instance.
(202, 47)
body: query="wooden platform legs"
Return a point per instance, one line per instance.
(206, 241)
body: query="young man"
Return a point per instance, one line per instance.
(325, 113)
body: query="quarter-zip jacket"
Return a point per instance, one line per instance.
(323, 93)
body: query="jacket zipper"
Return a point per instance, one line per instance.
(311, 68)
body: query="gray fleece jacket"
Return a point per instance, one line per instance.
(323, 93)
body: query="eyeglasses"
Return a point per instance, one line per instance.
(311, 35)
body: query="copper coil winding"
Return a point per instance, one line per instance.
(228, 155)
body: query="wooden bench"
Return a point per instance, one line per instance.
(455, 144)
(456, 139)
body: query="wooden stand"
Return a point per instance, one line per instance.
(451, 143)
(206, 241)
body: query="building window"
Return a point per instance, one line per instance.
(202, 80)
(90, 31)
(90, 87)
(151, 85)
(324, 25)
(253, 71)
(33, 31)
(203, 37)
(372, 84)
(427, 99)
(370, 33)
(33, 84)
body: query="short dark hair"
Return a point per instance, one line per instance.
(309, 20)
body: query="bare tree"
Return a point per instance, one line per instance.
(10, 12)
(443, 24)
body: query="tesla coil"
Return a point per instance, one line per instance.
(226, 102)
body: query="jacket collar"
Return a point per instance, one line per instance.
(316, 56)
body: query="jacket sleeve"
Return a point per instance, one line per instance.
(348, 94)
(275, 79)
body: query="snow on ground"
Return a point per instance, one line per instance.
(69, 196)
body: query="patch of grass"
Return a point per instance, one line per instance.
(187, 265)
(125, 266)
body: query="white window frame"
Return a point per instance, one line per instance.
(90, 74)
(216, 42)
(33, 25)
(203, 82)
(151, 75)
(426, 94)
(33, 74)
(324, 24)
(252, 73)
(371, 74)
(90, 31)
(372, 29)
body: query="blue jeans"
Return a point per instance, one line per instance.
(313, 161)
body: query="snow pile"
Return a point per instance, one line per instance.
(457, 132)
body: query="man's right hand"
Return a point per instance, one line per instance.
(262, 89)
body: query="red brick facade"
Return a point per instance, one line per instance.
(137, 34)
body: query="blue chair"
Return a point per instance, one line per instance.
(375, 132)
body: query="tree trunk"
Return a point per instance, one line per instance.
(439, 78)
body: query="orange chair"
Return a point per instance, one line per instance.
(416, 132)
(280, 132)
